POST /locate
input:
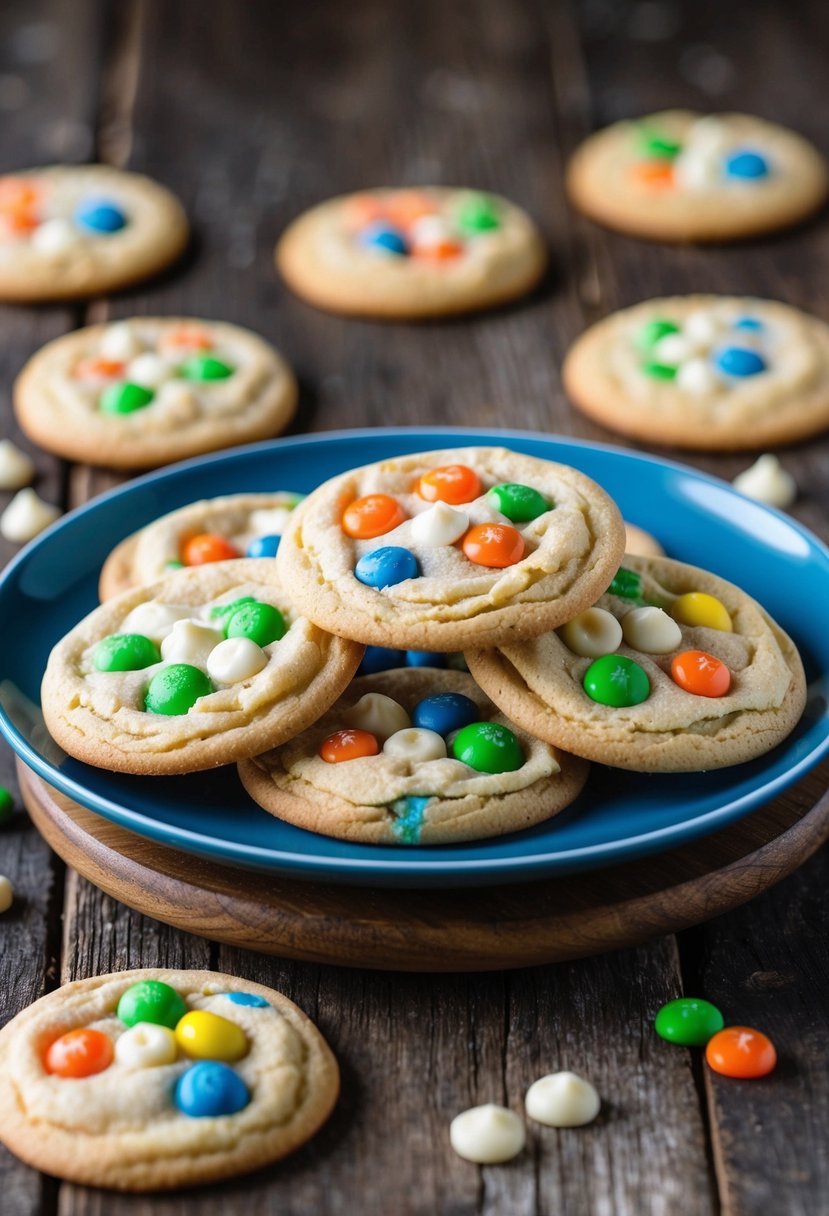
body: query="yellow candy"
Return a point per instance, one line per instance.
(697, 608)
(206, 1036)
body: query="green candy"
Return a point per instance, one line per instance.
(229, 609)
(627, 584)
(659, 371)
(488, 747)
(125, 398)
(175, 689)
(688, 1020)
(650, 334)
(6, 807)
(125, 652)
(205, 367)
(151, 1001)
(616, 680)
(174, 564)
(521, 504)
(478, 213)
(262, 623)
(658, 147)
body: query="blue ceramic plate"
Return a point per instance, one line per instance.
(619, 816)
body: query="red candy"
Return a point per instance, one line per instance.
(79, 1053)
(739, 1051)
(207, 547)
(701, 674)
(494, 545)
(452, 483)
(373, 515)
(349, 745)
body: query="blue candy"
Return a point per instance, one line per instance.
(248, 998)
(209, 1089)
(749, 324)
(425, 658)
(385, 239)
(100, 216)
(749, 165)
(378, 658)
(263, 546)
(738, 361)
(445, 713)
(387, 566)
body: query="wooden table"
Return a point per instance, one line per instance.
(251, 111)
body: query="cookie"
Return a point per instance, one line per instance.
(641, 543)
(152, 390)
(216, 529)
(674, 670)
(211, 665)
(413, 756)
(150, 1079)
(680, 176)
(69, 231)
(411, 253)
(444, 550)
(707, 372)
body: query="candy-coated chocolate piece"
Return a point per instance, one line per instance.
(176, 689)
(263, 546)
(415, 745)
(592, 633)
(125, 398)
(700, 608)
(227, 610)
(380, 658)
(100, 215)
(248, 998)
(205, 367)
(185, 337)
(747, 164)
(174, 564)
(207, 547)
(739, 1051)
(146, 1045)
(378, 714)
(383, 238)
(452, 483)
(6, 807)
(740, 361)
(79, 1053)
(445, 712)
(650, 334)
(651, 630)
(6, 893)
(700, 673)
(519, 503)
(262, 623)
(425, 658)
(654, 174)
(627, 584)
(658, 147)
(387, 566)
(348, 745)
(151, 1001)
(751, 325)
(439, 251)
(125, 652)
(477, 213)
(616, 680)
(488, 747)
(493, 545)
(209, 1090)
(372, 515)
(209, 1036)
(99, 369)
(659, 371)
(688, 1020)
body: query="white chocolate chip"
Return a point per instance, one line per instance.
(592, 633)
(702, 327)
(698, 170)
(442, 524)
(269, 522)
(120, 342)
(6, 894)
(414, 743)
(26, 515)
(767, 481)
(146, 1045)
(191, 642)
(378, 714)
(235, 659)
(697, 377)
(672, 349)
(562, 1099)
(148, 370)
(651, 630)
(709, 134)
(155, 621)
(487, 1134)
(16, 469)
(55, 236)
(430, 230)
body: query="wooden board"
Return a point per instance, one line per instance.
(480, 929)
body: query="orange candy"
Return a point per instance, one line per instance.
(656, 174)
(17, 194)
(186, 337)
(439, 251)
(207, 547)
(496, 545)
(79, 1053)
(700, 674)
(15, 223)
(372, 516)
(452, 483)
(406, 206)
(349, 745)
(739, 1051)
(100, 369)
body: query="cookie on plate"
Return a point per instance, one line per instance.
(149, 1079)
(444, 550)
(673, 670)
(704, 371)
(69, 231)
(680, 176)
(216, 529)
(152, 390)
(411, 253)
(211, 665)
(413, 756)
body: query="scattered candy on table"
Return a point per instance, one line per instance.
(6, 893)
(487, 1135)
(6, 807)
(16, 468)
(562, 1099)
(26, 516)
(688, 1020)
(767, 481)
(739, 1051)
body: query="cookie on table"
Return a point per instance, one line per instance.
(151, 390)
(411, 253)
(449, 549)
(704, 371)
(673, 670)
(150, 1079)
(216, 529)
(413, 756)
(69, 231)
(211, 665)
(680, 176)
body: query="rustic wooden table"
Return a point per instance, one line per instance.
(250, 113)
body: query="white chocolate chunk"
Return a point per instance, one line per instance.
(191, 642)
(55, 236)
(6, 894)
(155, 621)
(414, 743)
(697, 377)
(698, 170)
(767, 481)
(430, 230)
(26, 515)
(235, 659)
(709, 134)
(562, 1099)
(651, 630)
(378, 714)
(269, 522)
(592, 633)
(442, 524)
(487, 1134)
(120, 342)
(672, 349)
(16, 469)
(702, 327)
(149, 370)
(146, 1045)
